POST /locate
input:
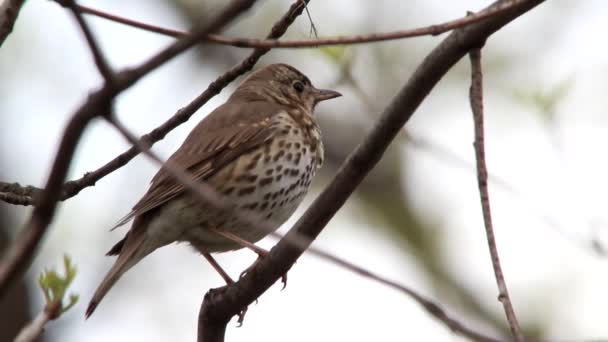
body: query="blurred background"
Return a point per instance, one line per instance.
(417, 217)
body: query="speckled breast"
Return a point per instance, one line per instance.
(270, 182)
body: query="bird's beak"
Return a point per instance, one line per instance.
(325, 94)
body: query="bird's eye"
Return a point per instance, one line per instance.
(298, 86)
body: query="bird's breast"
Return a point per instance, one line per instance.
(273, 179)
(268, 182)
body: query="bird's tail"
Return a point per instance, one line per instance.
(131, 253)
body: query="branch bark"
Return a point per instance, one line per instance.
(219, 306)
(9, 10)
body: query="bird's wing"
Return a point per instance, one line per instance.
(226, 133)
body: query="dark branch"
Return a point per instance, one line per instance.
(219, 306)
(476, 98)
(21, 251)
(100, 60)
(9, 10)
(18, 256)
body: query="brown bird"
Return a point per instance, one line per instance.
(260, 150)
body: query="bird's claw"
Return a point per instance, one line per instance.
(252, 266)
(241, 317)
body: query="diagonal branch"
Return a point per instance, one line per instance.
(16, 194)
(219, 306)
(20, 253)
(100, 60)
(476, 98)
(9, 10)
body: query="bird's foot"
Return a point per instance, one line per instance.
(218, 291)
(252, 266)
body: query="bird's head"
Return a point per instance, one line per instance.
(285, 85)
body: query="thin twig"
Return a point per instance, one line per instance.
(219, 306)
(15, 194)
(209, 196)
(131, 22)
(430, 306)
(313, 28)
(100, 60)
(313, 43)
(476, 98)
(20, 253)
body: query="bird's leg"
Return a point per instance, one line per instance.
(259, 251)
(218, 269)
(228, 281)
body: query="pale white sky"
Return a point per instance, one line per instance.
(559, 173)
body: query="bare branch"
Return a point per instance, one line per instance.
(220, 305)
(476, 98)
(21, 251)
(313, 28)
(131, 22)
(100, 60)
(9, 10)
(18, 256)
(314, 43)
(15, 194)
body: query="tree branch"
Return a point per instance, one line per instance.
(14, 193)
(9, 10)
(220, 305)
(476, 98)
(312, 43)
(21, 251)
(100, 60)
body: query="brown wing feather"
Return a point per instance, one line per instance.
(227, 132)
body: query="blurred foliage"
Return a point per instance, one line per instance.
(545, 101)
(336, 54)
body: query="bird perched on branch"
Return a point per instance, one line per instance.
(259, 150)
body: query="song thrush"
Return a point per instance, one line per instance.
(260, 149)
